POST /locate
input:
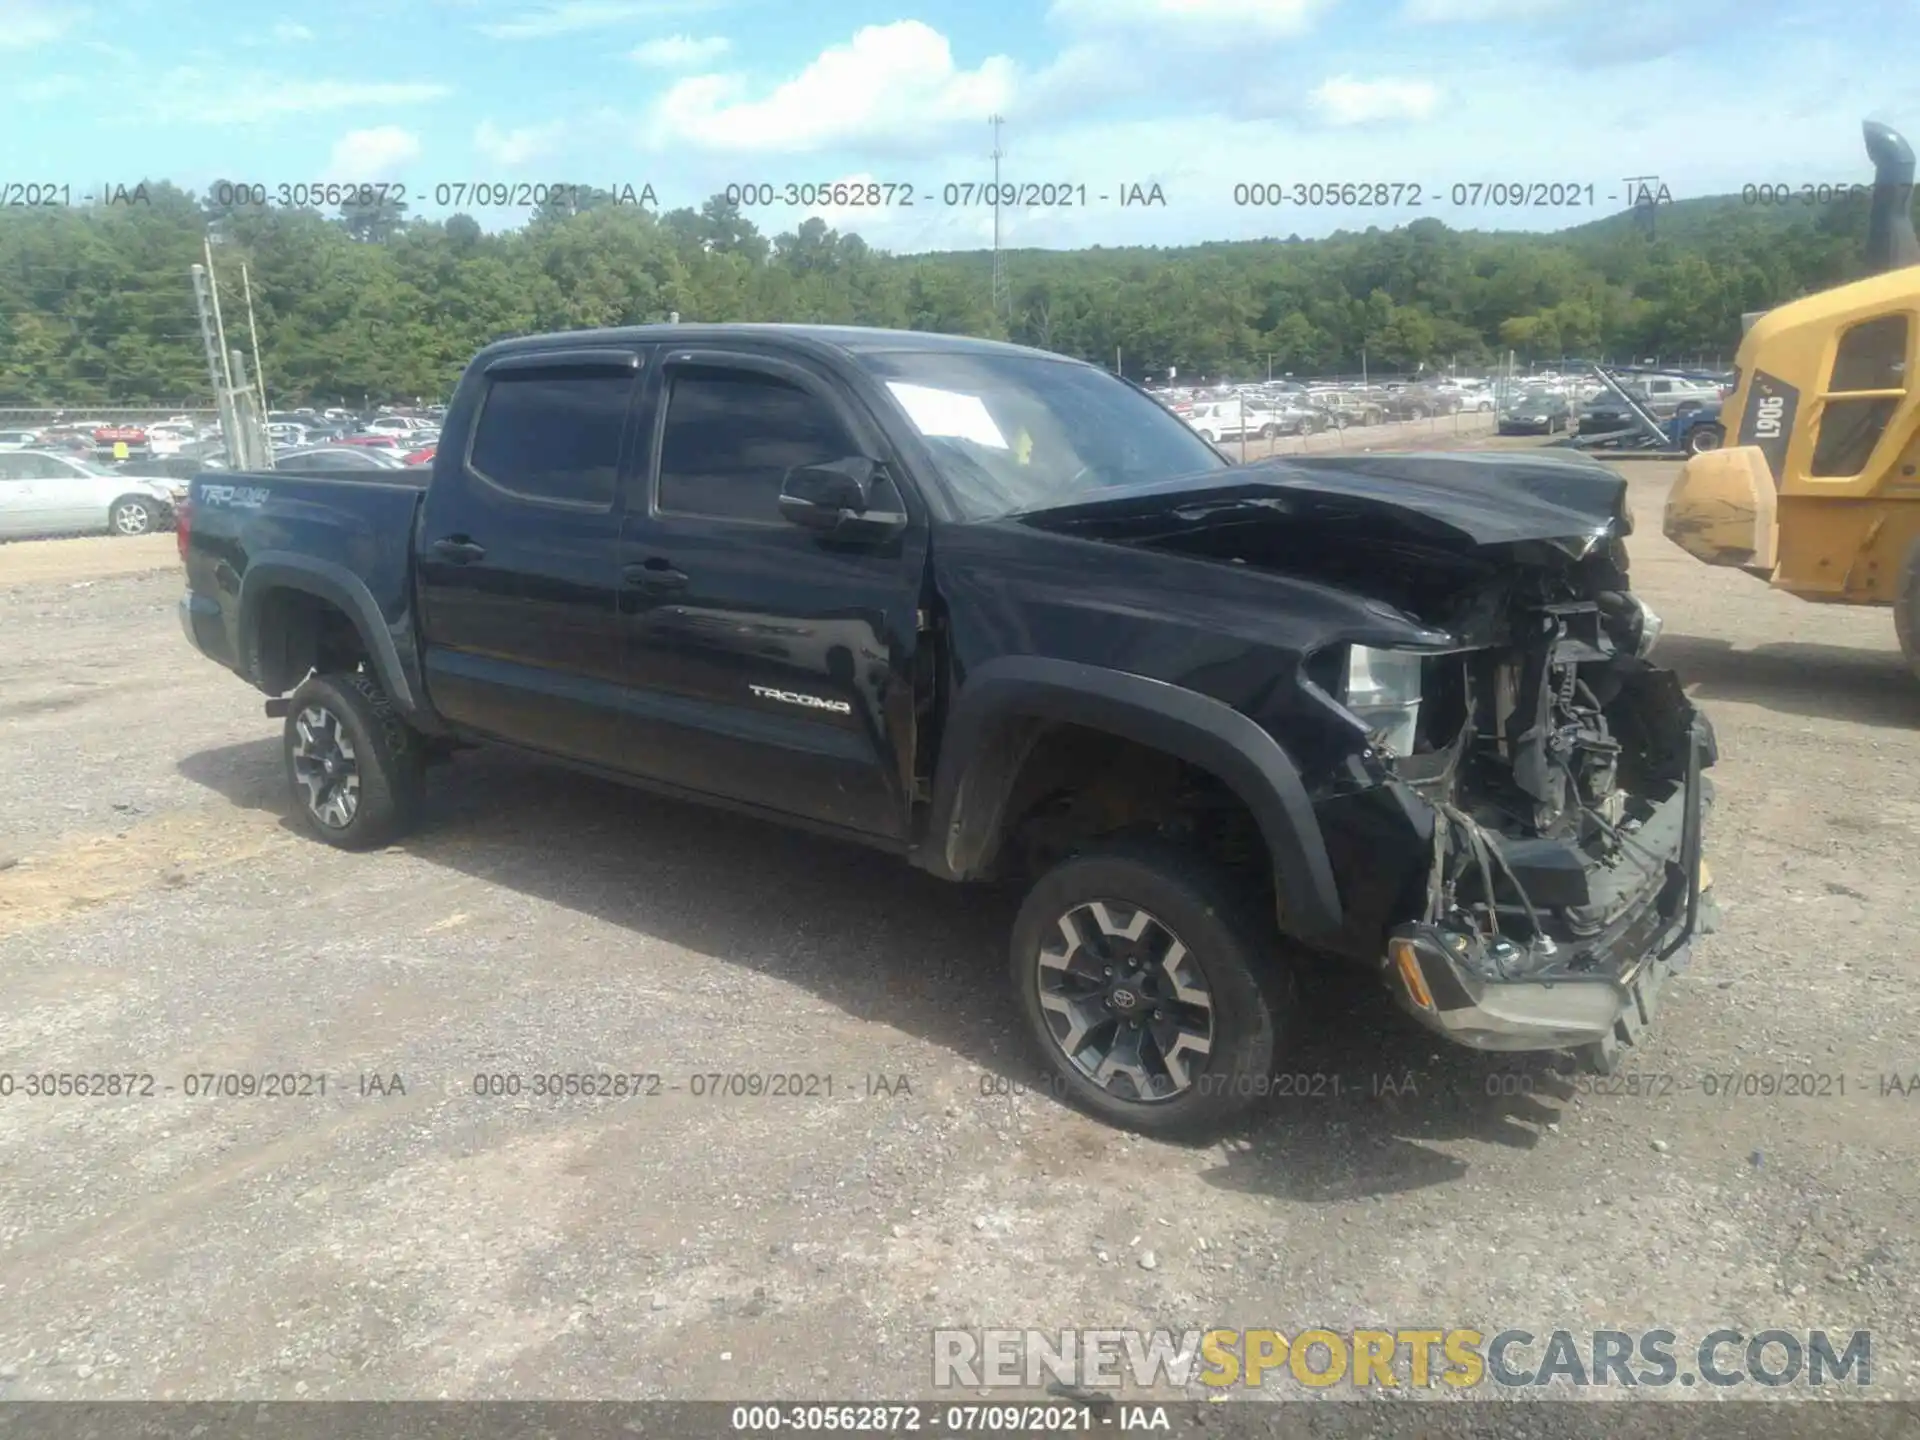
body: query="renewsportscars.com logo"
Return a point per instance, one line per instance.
(1404, 1358)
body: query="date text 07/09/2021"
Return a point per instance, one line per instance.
(546, 1084)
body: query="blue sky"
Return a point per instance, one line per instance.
(1194, 96)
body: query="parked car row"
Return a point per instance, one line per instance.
(46, 492)
(1275, 408)
(87, 477)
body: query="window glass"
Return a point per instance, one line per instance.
(1849, 429)
(47, 467)
(1872, 356)
(731, 436)
(1067, 431)
(554, 435)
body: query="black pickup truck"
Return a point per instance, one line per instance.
(1001, 614)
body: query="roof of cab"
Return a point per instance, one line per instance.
(853, 339)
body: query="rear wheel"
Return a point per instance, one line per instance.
(1703, 438)
(1153, 988)
(133, 515)
(357, 770)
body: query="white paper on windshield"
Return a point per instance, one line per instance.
(949, 413)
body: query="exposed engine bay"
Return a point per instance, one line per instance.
(1557, 763)
(1554, 770)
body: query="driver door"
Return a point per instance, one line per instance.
(765, 663)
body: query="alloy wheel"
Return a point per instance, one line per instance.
(1125, 1001)
(131, 518)
(325, 766)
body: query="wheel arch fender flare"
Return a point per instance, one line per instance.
(975, 775)
(345, 591)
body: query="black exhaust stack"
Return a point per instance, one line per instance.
(1891, 244)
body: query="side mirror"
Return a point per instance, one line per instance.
(846, 499)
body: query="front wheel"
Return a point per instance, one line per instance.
(1152, 987)
(131, 515)
(356, 768)
(1704, 438)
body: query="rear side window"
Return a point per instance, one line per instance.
(1872, 356)
(732, 435)
(553, 435)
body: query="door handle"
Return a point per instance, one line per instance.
(656, 575)
(460, 550)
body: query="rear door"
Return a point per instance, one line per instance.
(68, 498)
(768, 665)
(517, 568)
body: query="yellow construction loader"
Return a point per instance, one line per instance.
(1817, 489)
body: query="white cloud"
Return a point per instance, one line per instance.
(888, 83)
(1344, 100)
(51, 87)
(1241, 17)
(372, 154)
(200, 97)
(1443, 12)
(291, 32)
(26, 23)
(510, 149)
(569, 17)
(679, 52)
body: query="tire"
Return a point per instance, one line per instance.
(1154, 894)
(1269, 431)
(372, 794)
(1703, 438)
(1906, 610)
(133, 515)
(1419, 412)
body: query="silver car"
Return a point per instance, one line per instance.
(42, 493)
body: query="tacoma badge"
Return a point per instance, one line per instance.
(812, 702)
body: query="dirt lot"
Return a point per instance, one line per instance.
(159, 916)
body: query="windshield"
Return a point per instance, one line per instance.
(1019, 432)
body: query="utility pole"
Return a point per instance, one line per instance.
(242, 425)
(219, 328)
(210, 338)
(1001, 302)
(259, 373)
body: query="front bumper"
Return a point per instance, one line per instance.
(1601, 996)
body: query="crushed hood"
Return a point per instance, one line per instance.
(1477, 499)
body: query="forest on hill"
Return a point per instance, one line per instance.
(96, 304)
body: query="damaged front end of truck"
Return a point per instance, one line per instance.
(1536, 773)
(1509, 789)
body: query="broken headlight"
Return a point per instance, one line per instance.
(1381, 689)
(1650, 627)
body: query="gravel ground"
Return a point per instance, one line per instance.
(159, 915)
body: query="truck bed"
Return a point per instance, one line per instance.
(353, 538)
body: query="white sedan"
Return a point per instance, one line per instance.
(46, 494)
